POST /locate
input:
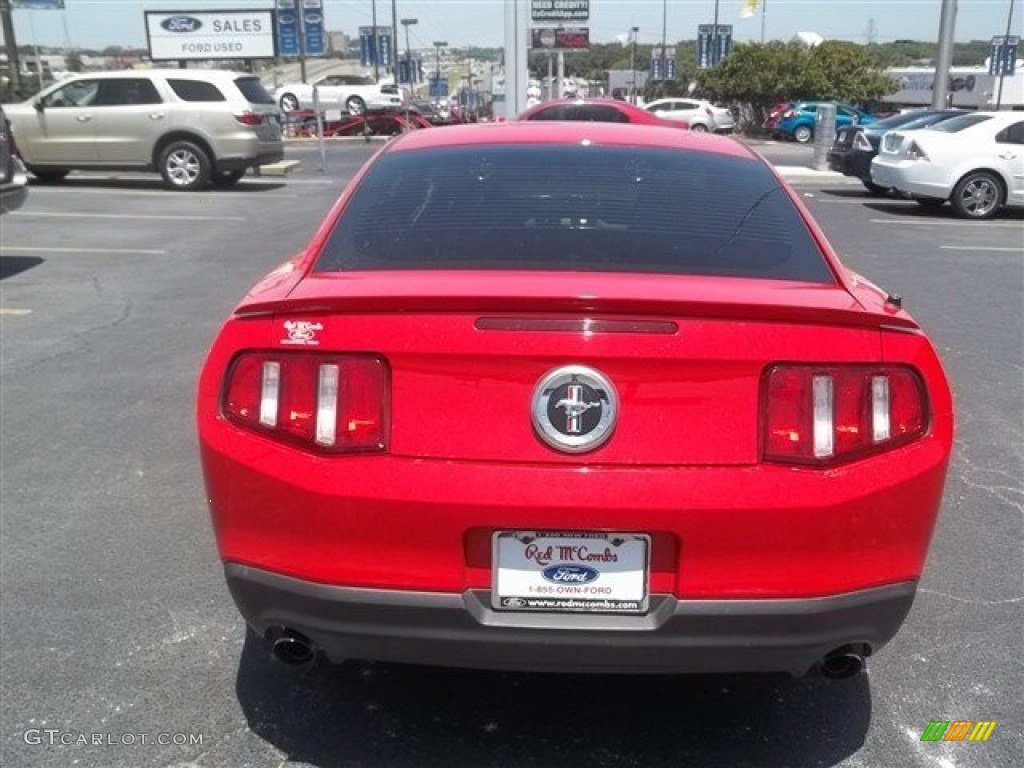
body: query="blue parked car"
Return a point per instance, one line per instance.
(797, 122)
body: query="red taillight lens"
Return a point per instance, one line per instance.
(829, 414)
(249, 118)
(336, 403)
(914, 152)
(789, 113)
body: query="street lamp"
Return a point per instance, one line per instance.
(376, 42)
(632, 67)
(438, 45)
(408, 64)
(408, 54)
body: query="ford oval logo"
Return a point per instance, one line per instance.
(314, 18)
(285, 18)
(181, 24)
(570, 574)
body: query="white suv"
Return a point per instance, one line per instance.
(195, 127)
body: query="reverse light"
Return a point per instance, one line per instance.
(829, 414)
(335, 403)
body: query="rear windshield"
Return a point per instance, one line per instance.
(573, 208)
(899, 120)
(957, 124)
(253, 91)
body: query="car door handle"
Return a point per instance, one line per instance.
(84, 118)
(157, 115)
(1008, 155)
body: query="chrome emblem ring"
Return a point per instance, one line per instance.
(574, 409)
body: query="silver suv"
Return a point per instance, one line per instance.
(195, 127)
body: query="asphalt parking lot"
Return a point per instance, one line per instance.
(116, 624)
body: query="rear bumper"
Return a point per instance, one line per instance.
(913, 178)
(14, 192)
(851, 163)
(676, 636)
(263, 156)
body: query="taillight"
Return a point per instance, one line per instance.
(249, 118)
(828, 414)
(914, 152)
(789, 113)
(336, 403)
(860, 141)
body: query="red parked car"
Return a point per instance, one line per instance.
(532, 398)
(597, 111)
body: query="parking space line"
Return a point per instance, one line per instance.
(15, 312)
(134, 216)
(169, 196)
(119, 251)
(932, 222)
(980, 248)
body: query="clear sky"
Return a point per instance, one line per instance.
(99, 23)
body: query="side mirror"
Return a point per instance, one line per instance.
(38, 105)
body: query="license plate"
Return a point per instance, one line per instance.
(570, 572)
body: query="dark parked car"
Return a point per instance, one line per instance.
(856, 145)
(13, 179)
(429, 111)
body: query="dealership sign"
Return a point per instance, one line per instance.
(210, 35)
(560, 38)
(560, 10)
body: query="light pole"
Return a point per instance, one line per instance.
(714, 39)
(438, 45)
(408, 54)
(1002, 69)
(376, 42)
(632, 67)
(394, 40)
(664, 27)
(408, 61)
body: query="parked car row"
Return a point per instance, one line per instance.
(855, 146)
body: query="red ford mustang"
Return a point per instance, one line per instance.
(551, 397)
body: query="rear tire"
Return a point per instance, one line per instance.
(289, 102)
(49, 175)
(699, 128)
(875, 189)
(803, 134)
(978, 195)
(355, 105)
(185, 167)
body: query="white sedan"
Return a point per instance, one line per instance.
(353, 93)
(699, 115)
(975, 161)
